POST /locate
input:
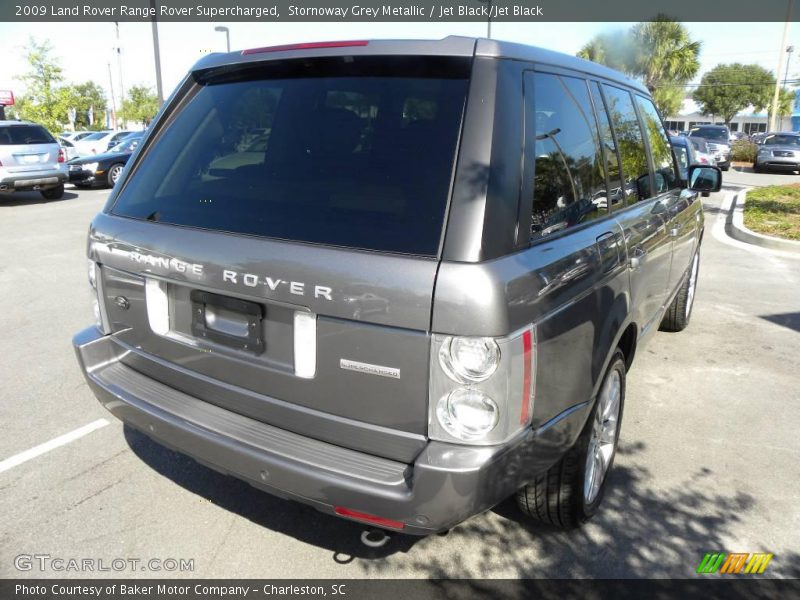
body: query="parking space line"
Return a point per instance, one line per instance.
(61, 440)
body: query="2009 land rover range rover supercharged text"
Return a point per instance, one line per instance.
(397, 281)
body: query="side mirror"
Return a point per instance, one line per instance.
(704, 179)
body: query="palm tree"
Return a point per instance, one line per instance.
(664, 53)
(659, 52)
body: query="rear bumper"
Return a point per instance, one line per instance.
(445, 485)
(31, 180)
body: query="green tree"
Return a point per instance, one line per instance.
(40, 102)
(140, 106)
(669, 98)
(664, 53)
(660, 53)
(83, 97)
(728, 89)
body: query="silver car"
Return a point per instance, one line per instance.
(31, 159)
(779, 151)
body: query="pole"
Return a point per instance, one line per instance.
(119, 65)
(227, 32)
(774, 111)
(489, 22)
(789, 50)
(113, 99)
(157, 55)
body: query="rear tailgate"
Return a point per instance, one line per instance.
(27, 148)
(386, 330)
(274, 198)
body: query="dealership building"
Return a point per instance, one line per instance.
(748, 120)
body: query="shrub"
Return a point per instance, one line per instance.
(744, 151)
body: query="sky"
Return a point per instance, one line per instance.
(84, 50)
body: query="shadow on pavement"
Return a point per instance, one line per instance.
(788, 320)
(301, 522)
(641, 531)
(25, 198)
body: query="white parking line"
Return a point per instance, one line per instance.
(61, 440)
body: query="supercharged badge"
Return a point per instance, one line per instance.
(354, 365)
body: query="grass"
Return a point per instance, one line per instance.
(774, 210)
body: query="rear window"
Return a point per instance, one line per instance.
(18, 135)
(711, 133)
(354, 152)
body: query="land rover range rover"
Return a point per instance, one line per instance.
(398, 281)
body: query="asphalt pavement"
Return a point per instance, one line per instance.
(709, 459)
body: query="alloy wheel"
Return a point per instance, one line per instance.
(603, 440)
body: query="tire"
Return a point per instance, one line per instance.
(680, 311)
(566, 495)
(55, 193)
(113, 174)
(725, 168)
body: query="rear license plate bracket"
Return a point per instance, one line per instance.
(227, 321)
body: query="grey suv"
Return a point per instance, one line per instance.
(31, 159)
(417, 295)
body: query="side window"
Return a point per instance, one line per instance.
(616, 196)
(569, 185)
(635, 171)
(663, 163)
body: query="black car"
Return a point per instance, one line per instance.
(105, 168)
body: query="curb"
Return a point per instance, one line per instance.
(736, 229)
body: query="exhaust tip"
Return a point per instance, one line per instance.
(375, 538)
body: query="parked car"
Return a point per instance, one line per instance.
(737, 135)
(31, 159)
(718, 139)
(105, 168)
(70, 151)
(702, 153)
(778, 152)
(100, 141)
(74, 136)
(396, 337)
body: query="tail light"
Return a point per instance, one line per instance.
(95, 281)
(61, 156)
(481, 389)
